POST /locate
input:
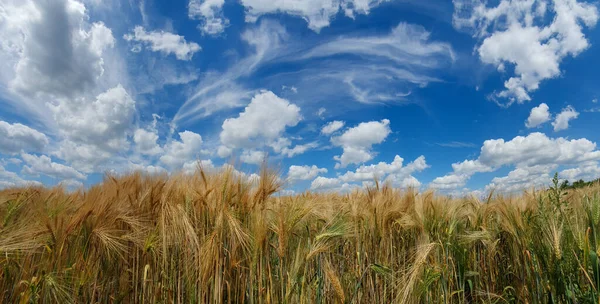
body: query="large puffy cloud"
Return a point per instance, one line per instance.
(104, 123)
(304, 172)
(357, 142)
(262, 123)
(317, 13)
(146, 142)
(533, 157)
(586, 171)
(538, 116)
(52, 48)
(12, 179)
(561, 122)
(178, 152)
(450, 181)
(210, 14)
(394, 172)
(253, 157)
(44, 165)
(521, 33)
(321, 183)
(537, 149)
(17, 137)
(62, 68)
(164, 42)
(523, 178)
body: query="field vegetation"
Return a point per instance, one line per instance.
(216, 237)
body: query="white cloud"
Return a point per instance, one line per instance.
(71, 184)
(561, 122)
(192, 166)
(408, 182)
(53, 49)
(371, 69)
(61, 69)
(178, 152)
(537, 149)
(530, 153)
(538, 116)
(588, 171)
(394, 173)
(357, 142)
(17, 137)
(321, 183)
(146, 142)
(50, 53)
(304, 172)
(261, 123)
(520, 33)
(164, 42)
(317, 13)
(224, 151)
(148, 169)
(470, 167)
(43, 165)
(298, 149)
(252, 157)
(12, 179)
(210, 14)
(450, 181)
(522, 178)
(321, 112)
(332, 126)
(103, 123)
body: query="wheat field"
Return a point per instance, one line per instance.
(215, 237)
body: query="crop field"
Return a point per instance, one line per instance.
(215, 237)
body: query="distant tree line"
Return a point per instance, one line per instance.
(578, 184)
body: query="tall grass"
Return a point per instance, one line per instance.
(219, 238)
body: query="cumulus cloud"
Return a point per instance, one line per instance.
(12, 179)
(531, 154)
(450, 181)
(532, 36)
(586, 171)
(192, 166)
(44, 165)
(395, 173)
(522, 178)
(252, 157)
(332, 126)
(561, 122)
(178, 152)
(17, 137)
(298, 149)
(261, 123)
(210, 14)
(60, 68)
(356, 142)
(321, 183)
(104, 122)
(164, 42)
(538, 116)
(304, 172)
(317, 13)
(49, 49)
(146, 142)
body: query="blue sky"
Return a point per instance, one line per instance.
(462, 96)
